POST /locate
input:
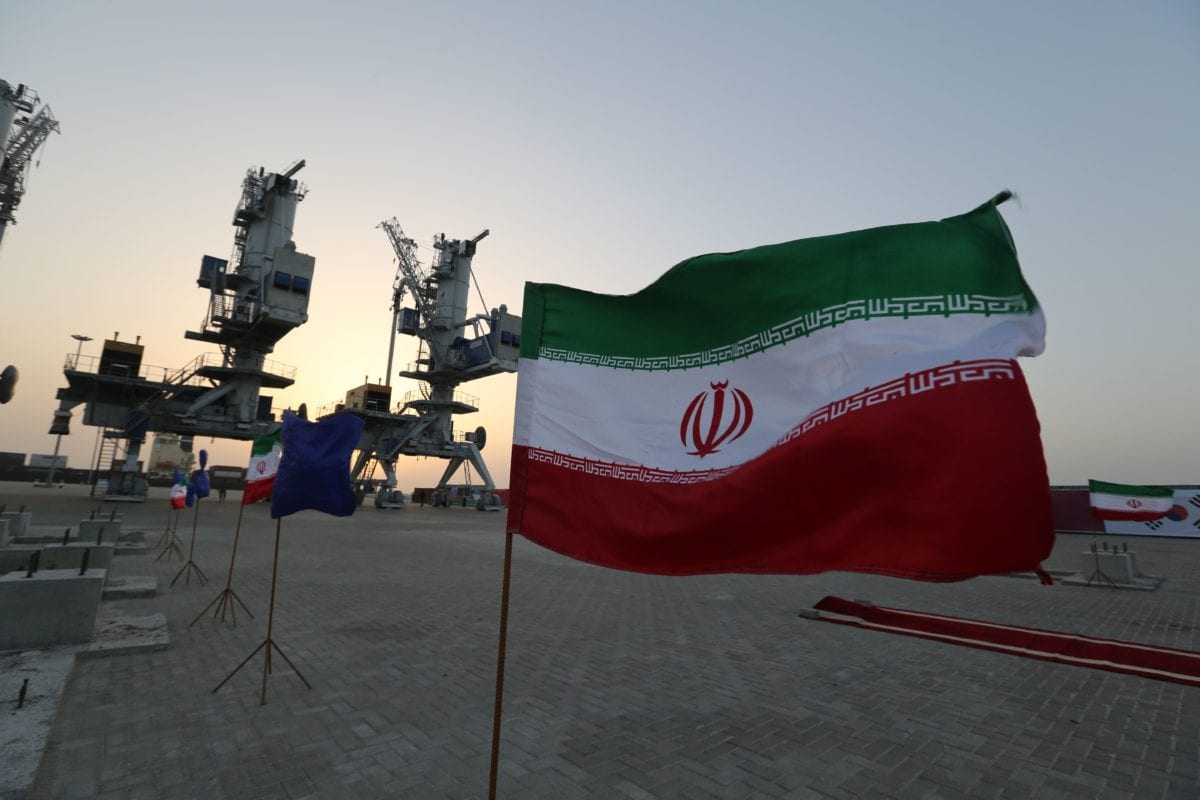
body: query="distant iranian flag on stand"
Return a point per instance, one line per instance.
(1118, 501)
(179, 491)
(264, 463)
(848, 402)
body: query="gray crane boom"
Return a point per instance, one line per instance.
(408, 270)
(17, 156)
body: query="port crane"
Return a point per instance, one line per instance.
(453, 348)
(250, 308)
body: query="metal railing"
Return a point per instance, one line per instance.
(226, 307)
(187, 372)
(329, 408)
(279, 369)
(335, 406)
(458, 397)
(210, 359)
(183, 375)
(145, 372)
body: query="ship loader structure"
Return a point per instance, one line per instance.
(453, 348)
(251, 306)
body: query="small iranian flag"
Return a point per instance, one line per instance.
(179, 492)
(264, 462)
(1118, 501)
(848, 402)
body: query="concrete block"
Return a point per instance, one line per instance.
(18, 522)
(53, 607)
(89, 529)
(5, 536)
(58, 556)
(16, 557)
(1120, 567)
(41, 534)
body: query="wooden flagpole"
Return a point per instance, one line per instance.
(223, 600)
(508, 539)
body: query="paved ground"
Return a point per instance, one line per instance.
(618, 685)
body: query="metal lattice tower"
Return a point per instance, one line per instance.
(20, 137)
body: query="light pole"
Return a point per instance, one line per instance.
(79, 337)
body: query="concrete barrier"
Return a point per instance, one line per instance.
(1121, 568)
(5, 537)
(89, 529)
(16, 557)
(18, 522)
(51, 608)
(57, 556)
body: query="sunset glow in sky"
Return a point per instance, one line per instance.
(601, 143)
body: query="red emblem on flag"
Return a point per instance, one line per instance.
(707, 438)
(1133, 502)
(261, 467)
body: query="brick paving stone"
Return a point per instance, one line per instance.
(618, 685)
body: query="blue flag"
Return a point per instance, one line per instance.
(199, 486)
(314, 471)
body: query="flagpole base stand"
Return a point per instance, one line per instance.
(171, 550)
(166, 537)
(168, 532)
(267, 645)
(187, 569)
(224, 602)
(1098, 574)
(1101, 579)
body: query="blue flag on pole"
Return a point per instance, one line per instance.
(199, 486)
(314, 471)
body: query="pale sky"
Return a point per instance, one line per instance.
(601, 143)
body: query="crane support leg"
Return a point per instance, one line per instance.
(451, 468)
(469, 453)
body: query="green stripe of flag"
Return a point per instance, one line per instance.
(264, 444)
(1128, 490)
(960, 265)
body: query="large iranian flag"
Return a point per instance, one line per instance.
(848, 402)
(265, 452)
(1120, 501)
